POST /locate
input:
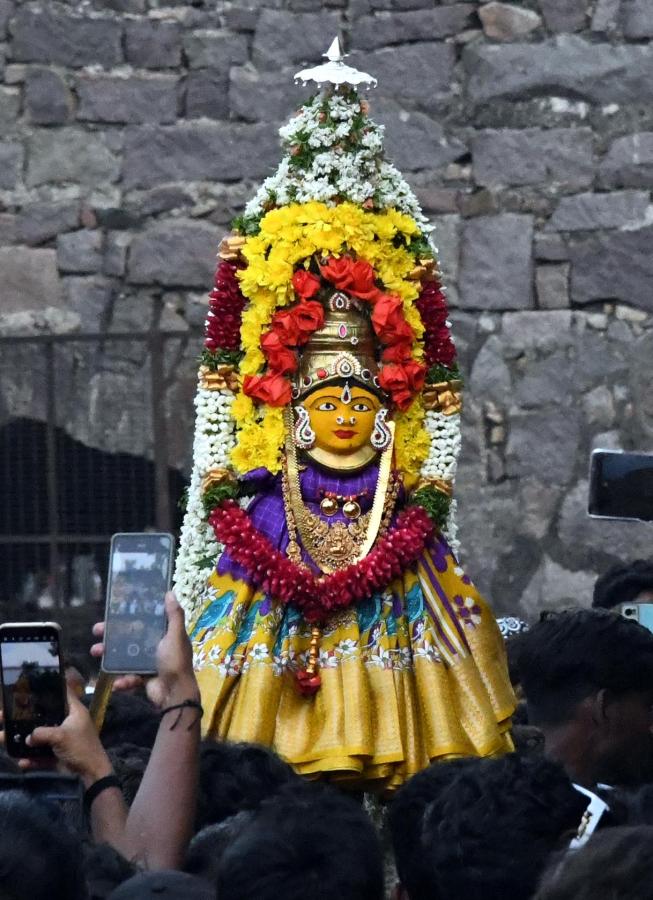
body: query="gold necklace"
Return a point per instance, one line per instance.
(333, 546)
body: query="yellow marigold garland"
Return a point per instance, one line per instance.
(289, 236)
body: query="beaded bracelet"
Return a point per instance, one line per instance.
(187, 704)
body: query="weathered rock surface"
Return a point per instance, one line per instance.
(560, 156)
(496, 270)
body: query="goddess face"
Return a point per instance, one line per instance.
(342, 418)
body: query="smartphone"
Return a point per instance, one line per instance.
(33, 683)
(639, 612)
(140, 573)
(621, 485)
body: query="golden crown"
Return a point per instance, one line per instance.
(344, 348)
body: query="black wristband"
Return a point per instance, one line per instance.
(187, 704)
(97, 787)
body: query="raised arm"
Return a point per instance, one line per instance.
(160, 821)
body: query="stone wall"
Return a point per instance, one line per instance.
(131, 131)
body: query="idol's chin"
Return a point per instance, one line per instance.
(353, 461)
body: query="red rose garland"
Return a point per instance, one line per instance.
(400, 376)
(439, 349)
(226, 304)
(318, 597)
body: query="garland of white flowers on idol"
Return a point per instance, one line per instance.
(333, 182)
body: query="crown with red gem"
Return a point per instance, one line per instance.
(343, 349)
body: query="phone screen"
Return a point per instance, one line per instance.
(140, 570)
(621, 485)
(33, 687)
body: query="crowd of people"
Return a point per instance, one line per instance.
(569, 814)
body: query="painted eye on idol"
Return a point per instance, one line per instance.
(361, 407)
(327, 406)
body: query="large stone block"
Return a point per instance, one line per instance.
(70, 154)
(11, 164)
(91, 299)
(9, 106)
(215, 49)
(134, 99)
(560, 156)
(490, 376)
(637, 19)
(282, 37)
(207, 94)
(496, 269)
(566, 65)
(564, 15)
(39, 222)
(613, 266)
(525, 331)
(629, 162)
(80, 251)
(203, 152)
(51, 36)
(589, 212)
(263, 96)
(48, 100)
(387, 28)
(30, 280)
(153, 45)
(179, 252)
(544, 443)
(415, 141)
(420, 73)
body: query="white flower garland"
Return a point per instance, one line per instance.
(198, 548)
(357, 176)
(442, 461)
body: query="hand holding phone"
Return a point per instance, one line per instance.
(33, 683)
(140, 572)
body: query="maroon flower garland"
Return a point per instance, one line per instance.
(439, 349)
(319, 597)
(226, 304)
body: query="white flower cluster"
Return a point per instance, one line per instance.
(357, 175)
(444, 432)
(198, 548)
(442, 461)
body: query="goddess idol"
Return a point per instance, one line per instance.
(329, 616)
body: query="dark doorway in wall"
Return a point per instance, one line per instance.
(56, 520)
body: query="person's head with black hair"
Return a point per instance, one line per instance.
(307, 841)
(588, 680)
(235, 777)
(206, 849)
(624, 583)
(39, 855)
(489, 830)
(167, 885)
(130, 719)
(616, 864)
(406, 816)
(129, 762)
